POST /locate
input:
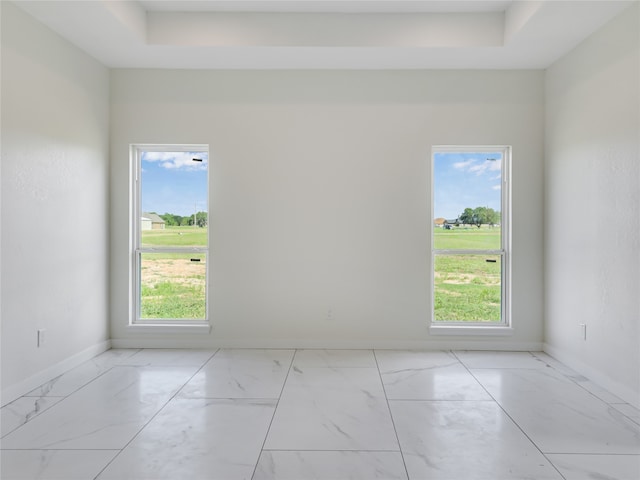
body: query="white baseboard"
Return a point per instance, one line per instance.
(19, 389)
(208, 343)
(599, 378)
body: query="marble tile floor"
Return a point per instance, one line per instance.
(319, 414)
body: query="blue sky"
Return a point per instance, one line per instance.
(464, 180)
(173, 183)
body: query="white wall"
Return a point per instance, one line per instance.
(54, 202)
(592, 213)
(320, 196)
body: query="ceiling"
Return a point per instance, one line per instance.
(327, 34)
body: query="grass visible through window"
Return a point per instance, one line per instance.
(467, 287)
(173, 285)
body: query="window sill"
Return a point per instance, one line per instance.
(474, 330)
(204, 328)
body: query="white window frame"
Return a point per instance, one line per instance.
(504, 327)
(160, 325)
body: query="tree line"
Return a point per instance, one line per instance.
(172, 220)
(480, 216)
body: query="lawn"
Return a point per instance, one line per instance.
(467, 287)
(173, 285)
(467, 238)
(175, 237)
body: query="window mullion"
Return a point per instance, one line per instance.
(468, 252)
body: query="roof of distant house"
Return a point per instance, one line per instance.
(154, 217)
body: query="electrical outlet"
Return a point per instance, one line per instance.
(330, 315)
(41, 337)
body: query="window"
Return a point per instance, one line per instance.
(170, 234)
(470, 242)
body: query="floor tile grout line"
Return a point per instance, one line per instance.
(275, 409)
(29, 419)
(156, 414)
(83, 385)
(329, 450)
(427, 400)
(561, 373)
(46, 396)
(393, 422)
(96, 378)
(595, 454)
(512, 419)
(256, 399)
(579, 384)
(62, 397)
(635, 419)
(60, 450)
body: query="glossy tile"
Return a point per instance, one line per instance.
(599, 392)
(301, 414)
(415, 375)
(106, 414)
(78, 377)
(475, 359)
(581, 380)
(197, 440)
(279, 465)
(334, 358)
(558, 415)
(20, 411)
(242, 373)
(558, 366)
(629, 411)
(597, 467)
(332, 409)
(465, 440)
(53, 464)
(169, 357)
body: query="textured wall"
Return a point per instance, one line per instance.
(320, 196)
(592, 214)
(54, 198)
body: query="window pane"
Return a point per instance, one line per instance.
(172, 285)
(468, 288)
(173, 195)
(467, 200)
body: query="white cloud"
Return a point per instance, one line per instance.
(496, 187)
(471, 166)
(175, 160)
(464, 164)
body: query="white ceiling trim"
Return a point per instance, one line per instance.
(330, 34)
(397, 30)
(326, 6)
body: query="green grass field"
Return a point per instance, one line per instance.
(467, 287)
(467, 238)
(173, 284)
(175, 237)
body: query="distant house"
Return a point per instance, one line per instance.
(152, 221)
(447, 224)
